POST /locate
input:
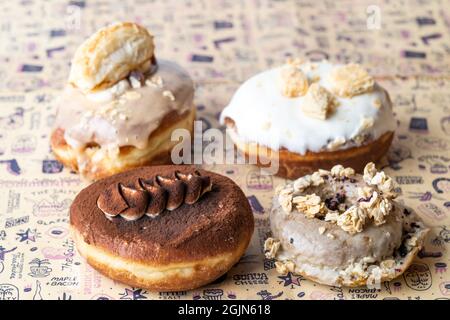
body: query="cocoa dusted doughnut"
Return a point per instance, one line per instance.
(166, 228)
(343, 229)
(121, 104)
(311, 115)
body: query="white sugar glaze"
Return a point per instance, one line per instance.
(263, 115)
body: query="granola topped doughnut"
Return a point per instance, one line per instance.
(343, 229)
(313, 114)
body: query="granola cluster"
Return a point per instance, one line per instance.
(284, 267)
(373, 203)
(311, 205)
(366, 270)
(271, 247)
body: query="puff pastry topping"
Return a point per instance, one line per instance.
(110, 55)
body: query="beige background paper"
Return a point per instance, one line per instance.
(405, 44)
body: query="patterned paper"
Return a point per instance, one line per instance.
(221, 43)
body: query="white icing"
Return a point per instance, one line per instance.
(262, 114)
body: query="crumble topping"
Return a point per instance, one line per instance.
(296, 62)
(155, 81)
(350, 80)
(340, 171)
(318, 102)
(377, 103)
(336, 143)
(293, 81)
(366, 123)
(168, 94)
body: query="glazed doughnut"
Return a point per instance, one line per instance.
(121, 105)
(311, 115)
(166, 228)
(343, 229)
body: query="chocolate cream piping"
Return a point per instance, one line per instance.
(152, 196)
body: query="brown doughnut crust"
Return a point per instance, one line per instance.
(293, 165)
(129, 156)
(178, 250)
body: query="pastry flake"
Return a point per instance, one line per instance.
(350, 80)
(293, 81)
(109, 56)
(317, 103)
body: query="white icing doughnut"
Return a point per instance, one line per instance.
(262, 114)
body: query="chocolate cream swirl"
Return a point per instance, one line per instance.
(152, 196)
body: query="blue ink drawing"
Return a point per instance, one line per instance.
(12, 166)
(255, 204)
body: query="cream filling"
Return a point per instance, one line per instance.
(147, 272)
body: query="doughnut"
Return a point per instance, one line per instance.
(120, 105)
(310, 115)
(341, 228)
(165, 228)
